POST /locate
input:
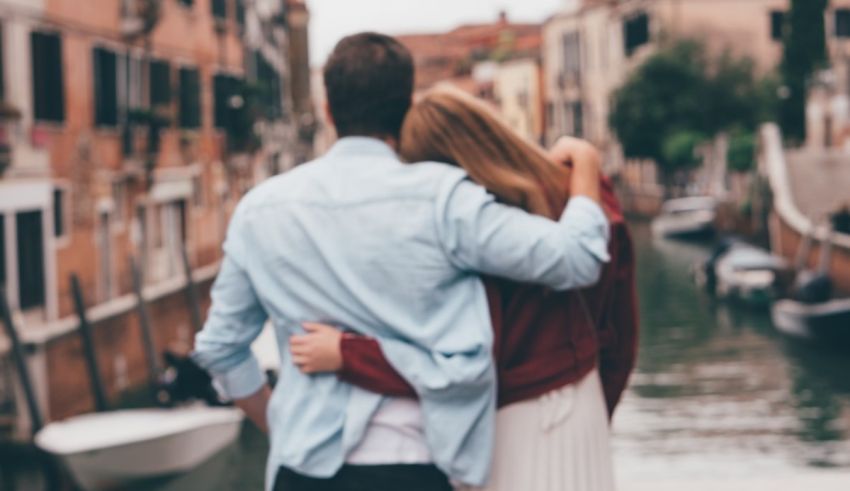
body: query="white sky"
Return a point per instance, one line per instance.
(331, 20)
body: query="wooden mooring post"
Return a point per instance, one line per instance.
(89, 351)
(13, 455)
(148, 340)
(36, 421)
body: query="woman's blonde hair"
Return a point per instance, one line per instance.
(448, 125)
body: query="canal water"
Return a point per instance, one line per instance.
(717, 392)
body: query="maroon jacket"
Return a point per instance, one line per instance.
(544, 340)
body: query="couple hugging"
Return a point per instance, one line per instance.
(454, 305)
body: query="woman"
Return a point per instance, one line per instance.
(550, 348)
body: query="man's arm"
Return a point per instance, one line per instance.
(481, 235)
(235, 319)
(255, 406)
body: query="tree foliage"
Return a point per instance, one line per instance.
(681, 92)
(680, 149)
(804, 53)
(742, 151)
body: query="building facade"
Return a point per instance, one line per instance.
(589, 49)
(128, 128)
(519, 96)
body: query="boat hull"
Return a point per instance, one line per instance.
(828, 321)
(678, 228)
(116, 464)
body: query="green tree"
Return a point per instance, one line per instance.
(680, 149)
(681, 92)
(805, 53)
(742, 151)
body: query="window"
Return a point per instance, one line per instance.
(30, 238)
(842, 23)
(48, 88)
(105, 87)
(578, 119)
(2, 251)
(777, 25)
(119, 200)
(225, 87)
(187, 3)
(219, 9)
(131, 95)
(160, 86)
(2, 69)
(572, 53)
(240, 12)
(636, 32)
(271, 86)
(190, 98)
(60, 225)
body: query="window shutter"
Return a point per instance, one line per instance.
(190, 98)
(105, 87)
(219, 9)
(160, 83)
(2, 74)
(2, 251)
(48, 85)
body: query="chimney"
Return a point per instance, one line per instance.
(503, 17)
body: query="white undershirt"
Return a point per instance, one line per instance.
(395, 435)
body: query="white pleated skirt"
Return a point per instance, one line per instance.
(557, 442)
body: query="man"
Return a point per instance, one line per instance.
(359, 239)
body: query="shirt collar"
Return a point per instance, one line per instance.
(361, 146)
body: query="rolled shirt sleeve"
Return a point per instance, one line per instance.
(235, 320)
(484, 236)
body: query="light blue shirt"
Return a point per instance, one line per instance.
(361, 240)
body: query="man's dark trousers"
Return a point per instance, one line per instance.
(401, 477)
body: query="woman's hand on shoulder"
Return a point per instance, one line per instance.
(318, 350)
(575, 152)
(586, 162)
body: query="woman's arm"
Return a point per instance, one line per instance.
(357, 360)
(364, 365)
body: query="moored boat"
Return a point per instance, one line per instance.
(686, 218)
(826, 321)
(740, 271)
(813, 312)
(109, 450)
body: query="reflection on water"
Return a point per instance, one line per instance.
(717, 390)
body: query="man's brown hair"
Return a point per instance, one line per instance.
(369, 83)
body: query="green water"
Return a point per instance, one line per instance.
(717, 392)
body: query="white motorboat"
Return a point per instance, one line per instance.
(825, 321)
(813, 312)
(686, 217)
(111, 450)
(740, 271)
